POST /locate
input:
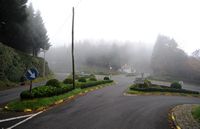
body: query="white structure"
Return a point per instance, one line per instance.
(127, 69)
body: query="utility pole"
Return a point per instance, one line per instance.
(73, 65)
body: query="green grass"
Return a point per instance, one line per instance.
(196, 113)
(34, 104)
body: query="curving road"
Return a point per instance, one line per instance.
(107, 108)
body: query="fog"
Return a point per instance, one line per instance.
(162, 59)
(122, 20)
(100, 56)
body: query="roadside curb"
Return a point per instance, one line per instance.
(173, 119)
(181, 117)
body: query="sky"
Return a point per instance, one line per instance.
(123, 20)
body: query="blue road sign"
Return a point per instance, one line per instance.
(31, 74)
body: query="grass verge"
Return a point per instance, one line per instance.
(43, 103)
(196, 113)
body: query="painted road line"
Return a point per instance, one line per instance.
(21, 122)
(14, 118)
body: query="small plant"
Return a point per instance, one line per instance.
(53, 82)
(176, 85)
(106, 78)
(93, 79)
(82, 79)
(68, 81)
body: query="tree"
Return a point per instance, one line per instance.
(22, 28)
(37, 31)
(12, 17)
(167, 58)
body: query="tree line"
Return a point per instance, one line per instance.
(21, 27)
(171, 61)
(100, 56)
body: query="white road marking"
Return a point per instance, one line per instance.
(21, 122)
(14, 118)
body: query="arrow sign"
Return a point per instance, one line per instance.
(31, 74)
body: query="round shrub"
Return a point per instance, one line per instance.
(82, 79)
(53, 82)
(176, 85)
(106, 78)
(93, 79)
(68, 81)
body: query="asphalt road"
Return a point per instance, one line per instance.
(107, 108)
(14, 93)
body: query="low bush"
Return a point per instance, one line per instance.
(45, 91)
(53, 82)
(106, 78)
(160, 89)
(176, 85)
(93, 79)
(68, 81)
(82, 79)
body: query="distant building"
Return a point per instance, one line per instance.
(127, 69)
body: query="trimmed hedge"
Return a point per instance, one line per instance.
(106, 78)
(68, 81)
(90, 84)
(93, 83)
(93, 79)
(53, 82)
(160, 89)
(176, 85)
(45, 91)
(82, 79)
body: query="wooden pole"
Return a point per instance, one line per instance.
(73, 65)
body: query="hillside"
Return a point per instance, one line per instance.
(13, 64)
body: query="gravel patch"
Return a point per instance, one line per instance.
(183, 116)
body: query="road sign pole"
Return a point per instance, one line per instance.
(30, 86)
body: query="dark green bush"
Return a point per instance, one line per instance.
(45, 91)
(82, 79)
(176, 85)
(93, 79)
(68, 81)
(106, 78)
(53, 82)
